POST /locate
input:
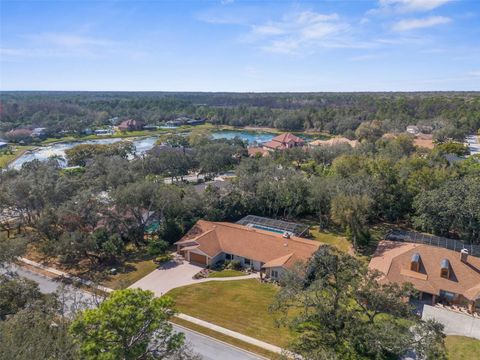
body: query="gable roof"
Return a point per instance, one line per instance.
(393, 259)
(255, 244)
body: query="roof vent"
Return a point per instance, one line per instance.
(464, 255)
(286, 235)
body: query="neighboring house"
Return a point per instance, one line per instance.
(334, 141)
(150, 127)
(131, 125)
(253, 151)
(413, 129)
(284, 141)
(183, 120)
(208, 243)
(104, 132)
(39, 132)
(439, 274)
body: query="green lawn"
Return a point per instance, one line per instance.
(240, 305)
(226, 273)
(130, 272)
(330, 238)
(462, 348)
(6, 159)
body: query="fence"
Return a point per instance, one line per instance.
(419, 238)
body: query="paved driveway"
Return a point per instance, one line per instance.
(171, 275)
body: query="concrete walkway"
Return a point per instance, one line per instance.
(177, 274)
(245, 338)
(455, 323)
(191, 319)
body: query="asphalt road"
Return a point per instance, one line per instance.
(208, 348)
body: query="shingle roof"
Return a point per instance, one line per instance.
(255, 244)
(393, 259)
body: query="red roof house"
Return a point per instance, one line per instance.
(284, 141)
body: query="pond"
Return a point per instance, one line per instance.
(142, 145)
(247, 136)
(58, 150)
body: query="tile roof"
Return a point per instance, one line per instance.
(255, 244)
(393, 259)
(283, 140)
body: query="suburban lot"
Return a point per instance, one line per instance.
(241, 305)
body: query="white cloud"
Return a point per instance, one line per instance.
(411, 24)
(474, 73)
(405, 6)
(297, 31)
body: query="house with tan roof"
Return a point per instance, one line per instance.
(208, 243)
(334, 142)
(284, 141)
(439, 274)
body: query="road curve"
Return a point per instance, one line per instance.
(207, 347)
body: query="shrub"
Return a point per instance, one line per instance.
(163, 258)
(157, 247)
(235, 265)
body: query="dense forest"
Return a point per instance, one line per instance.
(454, 113)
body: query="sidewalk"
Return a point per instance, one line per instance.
(191, 319)
(64, 274)
(244, 338)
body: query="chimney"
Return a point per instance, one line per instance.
(464, 255)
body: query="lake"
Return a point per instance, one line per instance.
(247, 136)
(141, 145)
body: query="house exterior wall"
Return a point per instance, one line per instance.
(217, 258)
(280, 271)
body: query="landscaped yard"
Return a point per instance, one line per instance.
(240, 305)
(330, 238)
(226, 273)
(462, 348)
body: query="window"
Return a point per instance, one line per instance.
(445, 269)
(247, 262)
(228, 257)
(447, 295)
(274, 274)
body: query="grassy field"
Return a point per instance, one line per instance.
(226, 273)
(462, 348)
(6, 159)
(240, 305)
(330, 238)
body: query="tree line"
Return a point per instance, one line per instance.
(451, 114)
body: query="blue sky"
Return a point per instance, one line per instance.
(234, 45)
